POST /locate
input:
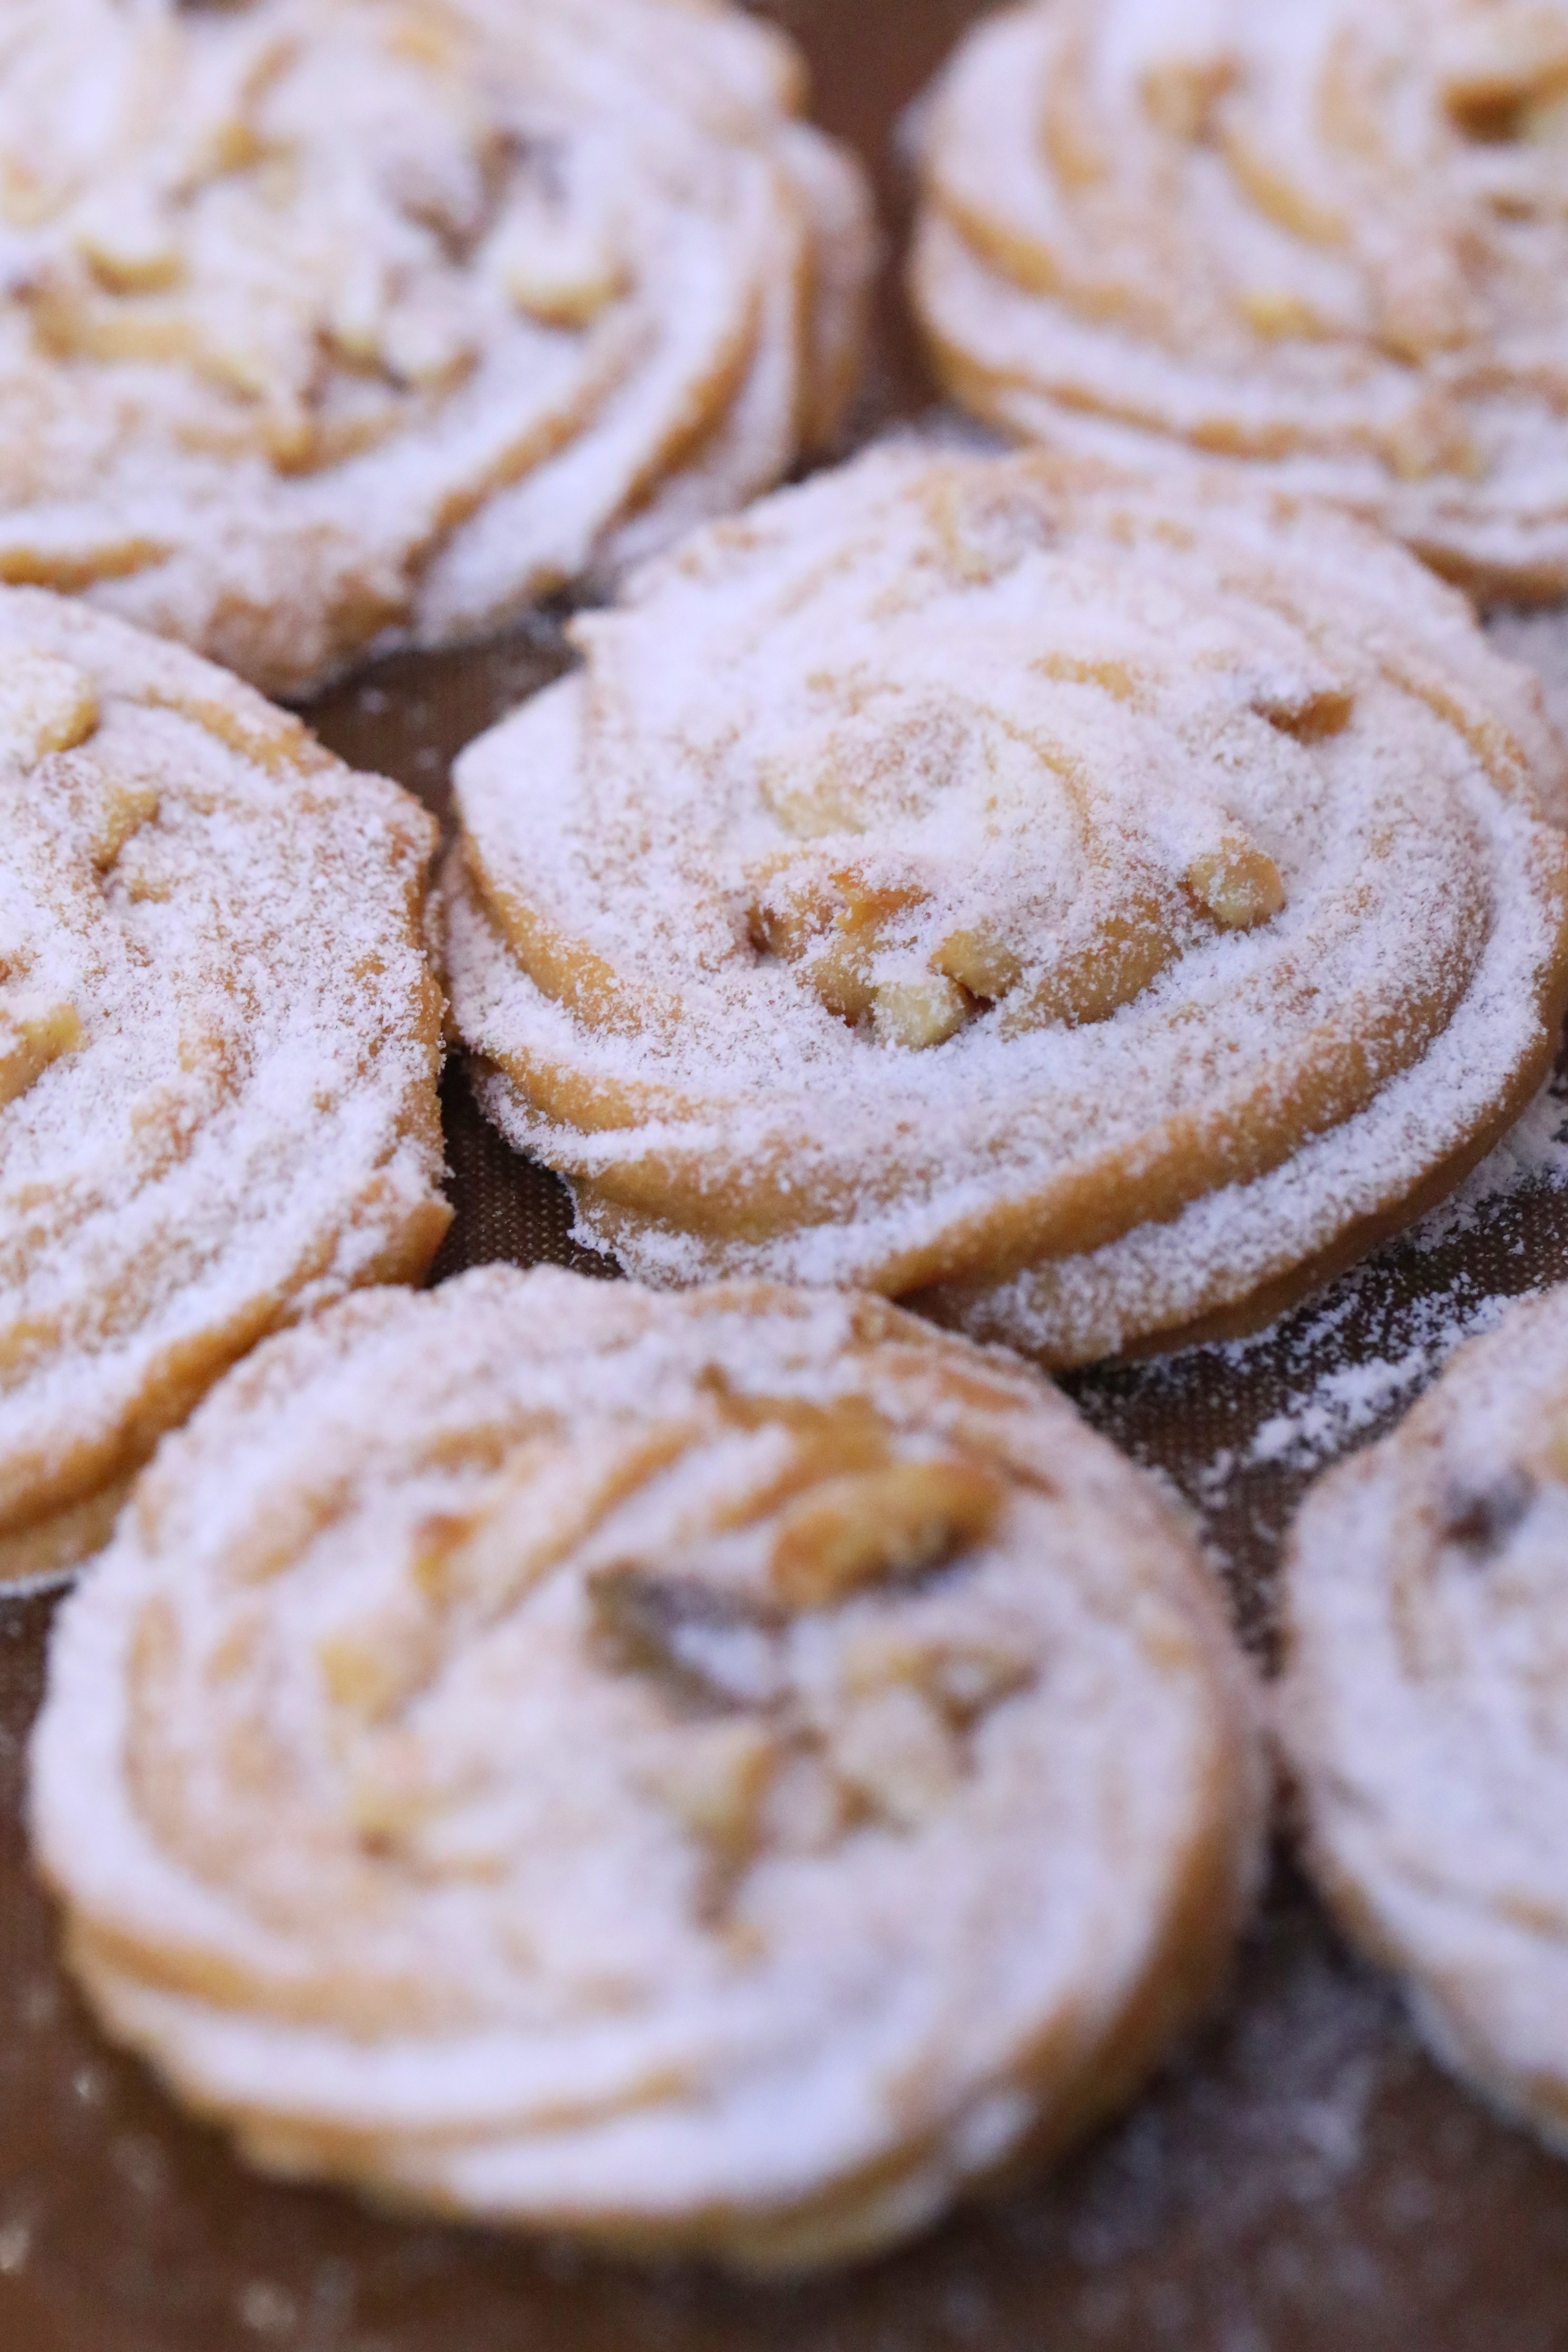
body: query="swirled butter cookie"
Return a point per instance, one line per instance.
(1423, 1706)
(1099, 906)
(725, 1773)
(219, 1038)
(1326, 240)
(325, 323)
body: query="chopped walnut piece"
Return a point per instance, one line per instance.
(918, 1013)
(894, 1522)
(980, 962)
(961, 1677)
(558, 270)
(1277, 312)
(788, 912)
(1180, 94)
(841, 972)
(716, 1780)
(371, 1667)
(893, 1748)
(709, 1649)
(1481, 1521)
(126, 242)
(1310, 714)
(1239, 884)
(841, 975)
(1116, 679)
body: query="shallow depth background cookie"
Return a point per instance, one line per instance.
(328, 318)
(1423, 1706)
(219, 1037)
(1328, 239)
(1097, 906)
(724, 1772)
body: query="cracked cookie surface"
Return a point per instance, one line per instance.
(724, 1772)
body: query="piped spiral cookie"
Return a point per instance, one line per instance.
(219, 1038)
(1099, 907)
(326, 321)
(1423, 1706)
(1326, 240)
(722, 1773)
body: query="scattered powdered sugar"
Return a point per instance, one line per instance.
(1341, 1405)
(1240, 1429)
(1343, 1401)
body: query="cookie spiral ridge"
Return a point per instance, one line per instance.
(1328, 241)
(219, 1037)
(1087, 903)
(722, 1772)
(1422, 1706)
(326, 320)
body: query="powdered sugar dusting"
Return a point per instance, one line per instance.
(851, 916)
(1149, 232)
(218, 1034)
(327, 325)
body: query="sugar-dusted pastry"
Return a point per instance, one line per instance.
(1426, 1600)
(326, 322)
(1327, 239)
(219, 1037)
(723, 1773)
(1099, 907)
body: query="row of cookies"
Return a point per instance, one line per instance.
(326, 324)
(1096, 909)
(1092, 909)
(456, 1632)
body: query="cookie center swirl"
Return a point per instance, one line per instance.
(325, 219)
(996, 835)
(775, 1614)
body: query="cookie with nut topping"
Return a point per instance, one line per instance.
(1422, 1707)
(219, 1040)
(1322, 242)
(330, 325)
(1095, 907)
(725, 1774)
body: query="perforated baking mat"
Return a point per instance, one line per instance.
(1301, 2180)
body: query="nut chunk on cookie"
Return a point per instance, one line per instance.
(219, 1040)
(1322, 242)
(1423, 1707)
(329, 322)
(726, 1773)
(1098, 907)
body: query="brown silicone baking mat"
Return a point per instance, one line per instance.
(1301, 2180)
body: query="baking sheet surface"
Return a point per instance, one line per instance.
(1301, 2180)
